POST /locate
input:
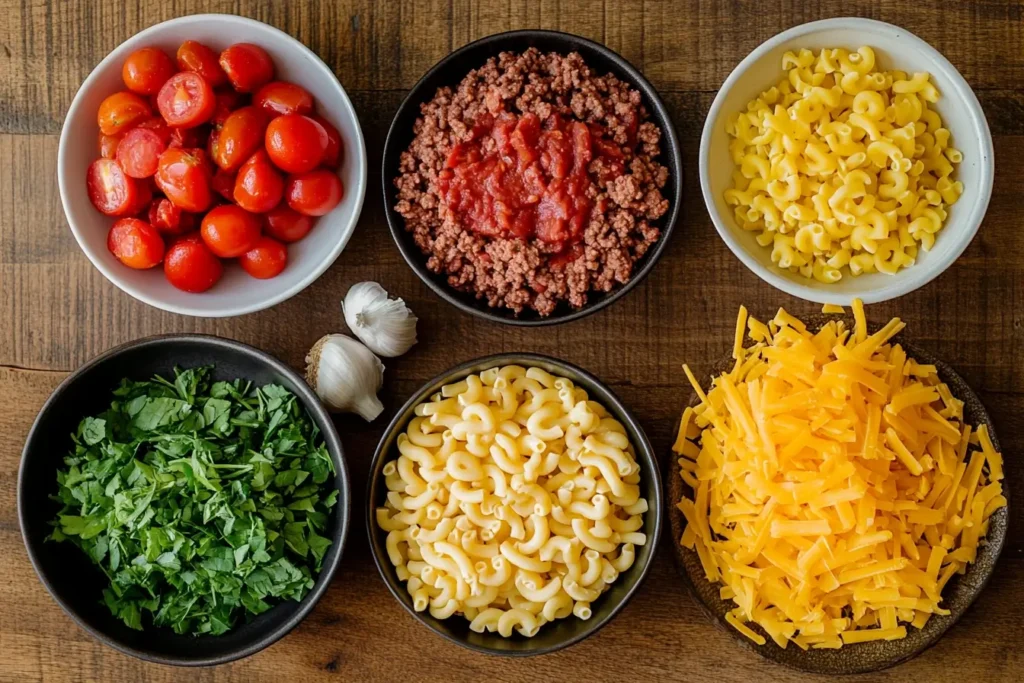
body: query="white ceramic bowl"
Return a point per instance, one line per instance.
(895, 48)
(237, 292)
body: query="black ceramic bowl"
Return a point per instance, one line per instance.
(958, 595)
(71, 578)
(562, 632)
(452, 69)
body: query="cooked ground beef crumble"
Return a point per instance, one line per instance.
(625, 201)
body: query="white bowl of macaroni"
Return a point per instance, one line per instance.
(514, 505)
(844, 159)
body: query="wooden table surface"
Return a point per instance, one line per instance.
(57, 311)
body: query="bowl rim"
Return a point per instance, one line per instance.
(331, 439)
(357, 193)
(644, 450)
(416, 260)
(912, 278)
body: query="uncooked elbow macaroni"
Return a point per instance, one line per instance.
(514, 501)
(842, 167)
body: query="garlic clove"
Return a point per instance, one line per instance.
(345, 375)
(386, 326)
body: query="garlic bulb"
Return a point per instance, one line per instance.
(345, 375)
(385, 325)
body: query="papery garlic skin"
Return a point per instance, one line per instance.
(345, 375)
(386, 326)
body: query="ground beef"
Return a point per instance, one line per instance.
(509, 272)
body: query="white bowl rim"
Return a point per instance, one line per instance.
(329, 259)
(909, 279)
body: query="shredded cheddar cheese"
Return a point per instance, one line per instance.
(836, 487)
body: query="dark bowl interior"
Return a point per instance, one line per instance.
(73, 581)
(563, 632)
(957, 596)
(452, 69)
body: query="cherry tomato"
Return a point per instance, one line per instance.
(258, 186)
(186, 100)
(314, 193)
(240, 137)
(146, 70)
(190, 265)
(248, 66)
(168, 219)
(296, 143)
(281, 97)
(112, 191)
(287, 225)
(198, 58)
(135, 243)
(265, 260)
(227, 102)
(230, 230)
(335, 153)
(158, 126)
(108, 145)
(224, 184)
(121, 111)
(139, 152)
(184, 176)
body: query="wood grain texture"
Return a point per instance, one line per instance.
(57, 311)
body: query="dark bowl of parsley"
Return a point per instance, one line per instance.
(184, 498)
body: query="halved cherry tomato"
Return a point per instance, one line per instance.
(190, 265)
(139, 152)
(280, 97)
(112, 191)
(314, 193)
(258, 186)
(184, 176)
(265, 260)
(186, 100)
(158, 126)
(169, 219)
(227, 102)
(296, 143)
(146, 70)
(230, 230)
(224, 184)
(248, 66)
(108, 145)
(121, 111)
(196, 57)
(135, 243)
(335, 153)
(287, 224)
(240, 136)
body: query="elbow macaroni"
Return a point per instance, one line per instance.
(842, 168)
(514, 501)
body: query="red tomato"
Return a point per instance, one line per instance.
(248, 66)
(314, 193)
(108, 145)
(190, 265)
(281, 97)
(227, 102)
(158, 126)
(240, 137)
(229, 230)
(335, 153)
(169, 219)
(112, 191)
(258, 186)
(296, 143)
(224, 184)
(135, 243)
(184, 176)
(287, 225)
(265, 260)
(121, 111)
(198, 58)
(186, 100)
(146, 70)
(139, 152)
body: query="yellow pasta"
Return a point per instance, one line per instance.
(842, 168)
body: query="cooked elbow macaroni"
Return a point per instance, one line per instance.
(842, 167)
(514, 501)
